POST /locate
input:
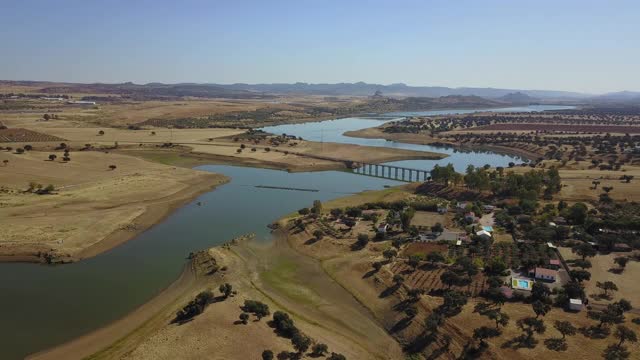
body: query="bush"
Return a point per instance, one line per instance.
(257, 308)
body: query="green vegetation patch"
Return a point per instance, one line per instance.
(282, 276)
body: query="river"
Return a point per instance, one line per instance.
(43, 306)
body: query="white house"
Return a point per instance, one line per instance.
(484, 234)
(383, 228)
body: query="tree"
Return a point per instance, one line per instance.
(5, 162)
(577, 213)
(484, 332)
(300, 342)
(304, 211)
(613, 352)
(244, 318)
(530, 326)
(624, 334)
(435, 257)
(112, 167)
(363, 240)
(585, 250)
(318, 234)
(336, 212)
(606, 287)
(580, 275)
(499, 317)
(66, 158)
(335, 356)
(540, 291)
(317, 207)
(414, 261)
(449, 278)
(52, 157)
(540, 308)
(267, 355)
(46, 117)
(319, 349)
(398, 279)
(101, 132)
(437, 228)
(226, 289)
(453, 301)
(565, 328)
(28, 147)
(433, 321)
(621, 262)
(389, 254)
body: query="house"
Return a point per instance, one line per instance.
(470, 217)
(554, 264)
(621, 247)
(575, 304)
(551, 246)
(544, 274)
(484, 234)
(383, 228)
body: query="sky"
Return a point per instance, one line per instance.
(575, 45)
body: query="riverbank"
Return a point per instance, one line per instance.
(92, 208)
(423, 139)
(272, 273)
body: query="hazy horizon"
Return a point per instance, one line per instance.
(579, 46)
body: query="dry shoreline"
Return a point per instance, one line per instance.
(155, 212)
(375, 133)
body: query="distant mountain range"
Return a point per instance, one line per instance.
(398, 90)
(261, 91)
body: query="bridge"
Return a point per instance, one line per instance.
(391, 172)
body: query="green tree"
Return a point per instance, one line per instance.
(580, 275)
(244, 318)
(540, 308)
(624, 334)
(300, 342)
(606, 287)
(565, 328)
(226, 289)
(319, 349)
(267, 355)
(585, 250)
(317, 207)
(484, 332)
(435, 257)
(318, 234)
(389, 254)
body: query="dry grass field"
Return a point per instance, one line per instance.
(92, 207)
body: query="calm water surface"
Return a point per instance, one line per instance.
(41, 306)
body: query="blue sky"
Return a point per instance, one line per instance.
(589, 46)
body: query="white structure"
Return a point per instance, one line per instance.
(484, 234)
(575, 304)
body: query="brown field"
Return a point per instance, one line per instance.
(627, 281)
(424, 248)
(93, 208)
(25, 136)
(429, 218)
